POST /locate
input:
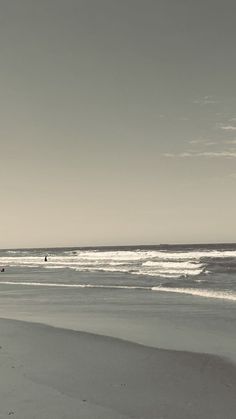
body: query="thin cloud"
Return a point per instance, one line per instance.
(207, 154)
(197, 141)
(205, 100)
(228, 127)
(177, 118)
(169, 155)
(203, 142)
(227, 154)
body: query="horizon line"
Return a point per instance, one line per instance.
(121, 245)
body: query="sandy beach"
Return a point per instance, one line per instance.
(48, 372)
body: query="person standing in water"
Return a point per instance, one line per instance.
(45, 259)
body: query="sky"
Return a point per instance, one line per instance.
(118, 122)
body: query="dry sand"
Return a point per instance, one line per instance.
(52, 373)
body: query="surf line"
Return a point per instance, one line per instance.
(51, 284)
(187, 291)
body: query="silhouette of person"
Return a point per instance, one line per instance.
(45, 259)
(2, 270)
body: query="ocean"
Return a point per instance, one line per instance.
(179, 297)
(201, 270)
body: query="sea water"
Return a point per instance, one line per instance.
(204, 270)
(174, 297)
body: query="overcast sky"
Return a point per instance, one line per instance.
(118, 122)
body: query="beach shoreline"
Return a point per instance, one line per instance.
(53, 372)
(159, 320)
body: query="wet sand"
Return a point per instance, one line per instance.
(48, 372)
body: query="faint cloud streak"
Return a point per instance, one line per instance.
(228, 127)
(205, 100)
(203, 142)
(207, 154)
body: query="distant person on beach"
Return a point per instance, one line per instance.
(2, 270)
(45, 259)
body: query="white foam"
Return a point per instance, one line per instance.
(222, 295)
(142, 255)
(139, 262)
(170, 265)
(176, 272)
(60, 285)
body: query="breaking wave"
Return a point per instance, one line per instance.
(207, 271)
(231, 296)
(162, 263)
